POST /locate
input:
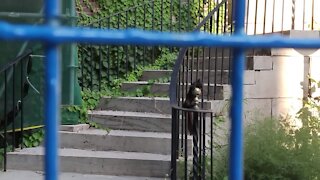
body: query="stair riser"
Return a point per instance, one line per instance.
(212, 77)
(160, 89)
(93, 165)
(224, 64)
(133, 123)
(116, 143)
(227, 52)
(138, 105)
(150, 75)
(205, 76)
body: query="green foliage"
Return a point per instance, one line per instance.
(90, 98)
(108, 63)
(152, 15)
(273, 150)
(165, 61)
(279, 149)
(33, 138)
(89, 101)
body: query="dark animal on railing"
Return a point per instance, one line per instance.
(192, 102)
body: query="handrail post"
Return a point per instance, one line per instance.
(236, 144)
(52, 95)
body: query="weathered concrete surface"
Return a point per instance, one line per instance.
(115, 140)
(74, 128)
(209, 92)
(139, 104)
(39, 175)
(94, 162)
(136, 121)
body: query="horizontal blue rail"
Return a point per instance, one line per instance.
(140, 37)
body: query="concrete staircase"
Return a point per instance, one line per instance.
(97, 154)
(139, 143)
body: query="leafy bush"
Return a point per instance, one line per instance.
(279, 149)
(274, 150)
(33, 138)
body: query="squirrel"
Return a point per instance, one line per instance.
(192, 102)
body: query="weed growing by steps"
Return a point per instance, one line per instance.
(30, 138)
(90, 99)
(33, 138)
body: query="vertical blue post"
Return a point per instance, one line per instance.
(52, 100)
(236, 144)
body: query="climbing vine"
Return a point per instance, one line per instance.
(101, 65)
(90, 99)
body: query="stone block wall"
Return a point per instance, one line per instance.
(278, 83)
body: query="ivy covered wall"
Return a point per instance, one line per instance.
(100, 65)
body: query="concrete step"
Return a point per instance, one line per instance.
(211, 76)
(155, 74)
(206, 76)
(136, 121)
(215, 63)
(39, 175)
(118, 140)
(163, 88)
(220, 52)
(139, 104)
(74, 128)
(94, 162)
(215, 77)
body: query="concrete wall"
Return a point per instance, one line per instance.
(277, 84)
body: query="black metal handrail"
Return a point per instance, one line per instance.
(182, 53)
(13, 88)
(193, 121)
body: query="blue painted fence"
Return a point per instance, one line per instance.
(52, 35)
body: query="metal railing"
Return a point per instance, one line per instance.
(208, 66)
(102, 64)
(14, 87)
(203, 63)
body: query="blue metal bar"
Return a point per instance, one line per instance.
(236, 139)
(140, 37)
(52, 10)
(52, 99)
(52, 112)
